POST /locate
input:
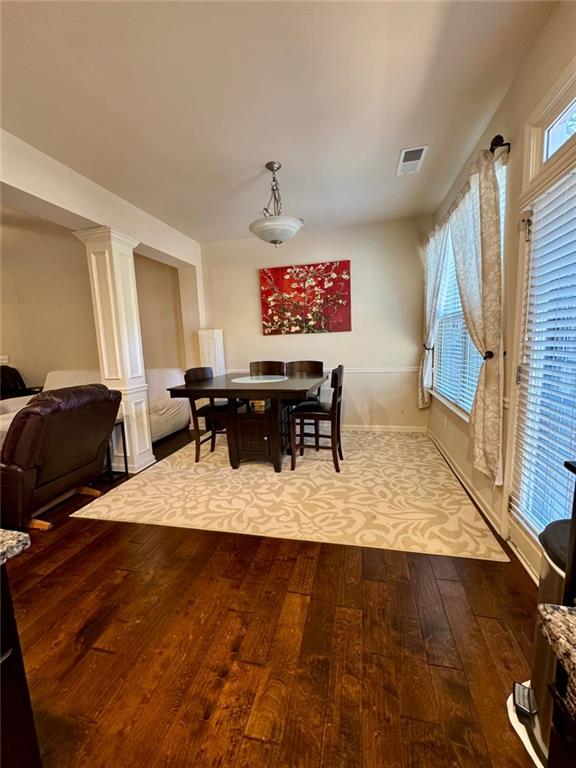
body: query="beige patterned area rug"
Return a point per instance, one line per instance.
(395, 491)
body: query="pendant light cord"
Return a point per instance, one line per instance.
(275, 199)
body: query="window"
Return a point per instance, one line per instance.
(545, 434)
(560, 131)
(457, 362)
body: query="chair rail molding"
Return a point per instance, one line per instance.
(354, 371)
(110, 256)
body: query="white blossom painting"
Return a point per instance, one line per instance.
(306, 298)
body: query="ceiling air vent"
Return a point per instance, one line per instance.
(411, 160)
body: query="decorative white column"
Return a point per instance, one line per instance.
(115, 305)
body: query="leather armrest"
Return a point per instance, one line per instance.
(16, 488)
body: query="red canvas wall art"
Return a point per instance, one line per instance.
(306, 298)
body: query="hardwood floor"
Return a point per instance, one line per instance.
(164, 647)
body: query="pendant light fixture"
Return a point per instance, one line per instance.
(274, 227)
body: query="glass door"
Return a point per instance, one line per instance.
(545, 414)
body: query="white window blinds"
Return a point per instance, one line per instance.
(457, 362)
(545, 435)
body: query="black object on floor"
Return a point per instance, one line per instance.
(555, 539)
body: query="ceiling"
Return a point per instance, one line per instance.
(177, 106)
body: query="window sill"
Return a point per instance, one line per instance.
(451, 406)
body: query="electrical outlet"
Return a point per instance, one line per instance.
(4, 359)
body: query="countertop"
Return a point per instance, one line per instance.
(558, 623)
(12, 543)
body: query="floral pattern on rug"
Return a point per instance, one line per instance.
(395, 491)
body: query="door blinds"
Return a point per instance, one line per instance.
(545, 435)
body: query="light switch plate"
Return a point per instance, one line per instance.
(3, 359)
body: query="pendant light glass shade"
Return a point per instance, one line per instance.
(273, 227)
(276, 229)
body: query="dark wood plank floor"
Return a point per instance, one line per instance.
(148, 646)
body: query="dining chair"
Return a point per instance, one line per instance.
(308, 368)
(317, 412)
(215, 414)
(267, 368)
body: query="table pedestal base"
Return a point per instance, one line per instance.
(255, 435)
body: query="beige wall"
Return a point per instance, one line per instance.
(160, 316)
(546, 62)
(36, 182)
(47, 320)
(382, 350)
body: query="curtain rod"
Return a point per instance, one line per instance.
(497, 142)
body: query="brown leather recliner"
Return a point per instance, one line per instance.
(55, 444)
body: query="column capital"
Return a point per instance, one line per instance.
(95, 234)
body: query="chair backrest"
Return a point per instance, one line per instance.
(11, 382)
(336, 382)
(204, 373)
(305, 368)
(198, 374)
(61, 431)
(267, 368)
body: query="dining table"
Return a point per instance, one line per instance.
(257, 423)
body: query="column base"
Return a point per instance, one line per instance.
(134, 409)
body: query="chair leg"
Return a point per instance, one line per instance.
(334, 441)
(317, 435)
(196, 430)
(293, 446)
(213, 439)
(302, 428)
(339, 435)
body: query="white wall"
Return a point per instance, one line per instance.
(381, 352)
(47, 319)
(546, 62)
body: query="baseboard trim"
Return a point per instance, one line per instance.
(487, 511)
(526, 549)
(381, 428)
(135, 468)
(531, 564)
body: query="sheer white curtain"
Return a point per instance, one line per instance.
(435, 257)
(475, 231)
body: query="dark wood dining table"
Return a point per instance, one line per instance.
(255, 434)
